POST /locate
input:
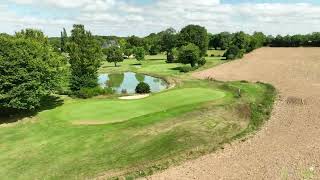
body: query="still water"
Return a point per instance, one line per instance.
(127, 82)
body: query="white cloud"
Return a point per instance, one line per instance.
(122, 18)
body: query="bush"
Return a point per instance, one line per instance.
(202, 61)
(91, 92)
(207, 55)
(189, 54)
(186, 69)
(233, 53)
(212, 55)
(143, 88)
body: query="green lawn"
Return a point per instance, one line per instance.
(108, 137)
(156, 65)
(113, 111)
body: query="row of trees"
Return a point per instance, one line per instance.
(308, 40)
(168, 41)
(239, 43)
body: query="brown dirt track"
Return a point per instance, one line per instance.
(288, 146)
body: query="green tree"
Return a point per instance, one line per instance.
(29, 70)
(114, 54)
(197, 35)
(85, 58)
(135, 41)
(153, 43)
(257, 40)
(34, 34)
(63, 40)
(233, 53)
(168, 42)
(241, 40)
(139, 53)
(128, 52)
(221, 40)
(189, 54)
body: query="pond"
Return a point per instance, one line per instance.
(126, 83)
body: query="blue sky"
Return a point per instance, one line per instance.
(141, 17)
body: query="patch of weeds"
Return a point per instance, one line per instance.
(260, 112)
(308, 174)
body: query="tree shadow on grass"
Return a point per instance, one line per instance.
(176, 68)
(12, 115)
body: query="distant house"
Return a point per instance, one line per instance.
(110, 43)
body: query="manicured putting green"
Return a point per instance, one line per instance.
(111, 111)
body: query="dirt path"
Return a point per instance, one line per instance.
(288, 146)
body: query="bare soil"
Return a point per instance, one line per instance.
(288, 146)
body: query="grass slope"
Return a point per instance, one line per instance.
(133, 138)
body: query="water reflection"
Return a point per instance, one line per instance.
(126, 83)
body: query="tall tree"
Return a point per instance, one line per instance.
(85, 57)
(29, 70)
(189, 54)
(168, 42)
(139, 53)
(221, 40)
(197, 35)
(241, 40)
(114, 54)
(63, 40)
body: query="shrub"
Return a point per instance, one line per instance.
(186, 69)
(207, 55)
(91, 92)
(212, 55)
(114, 55)
(202, 61)
(143, 88)
(233, 53)
(189, 54)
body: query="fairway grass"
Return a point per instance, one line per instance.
(121, 110)
(106, 137)
(156, 65)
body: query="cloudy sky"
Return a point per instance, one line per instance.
(141, 17)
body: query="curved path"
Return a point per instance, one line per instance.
(288, 146)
